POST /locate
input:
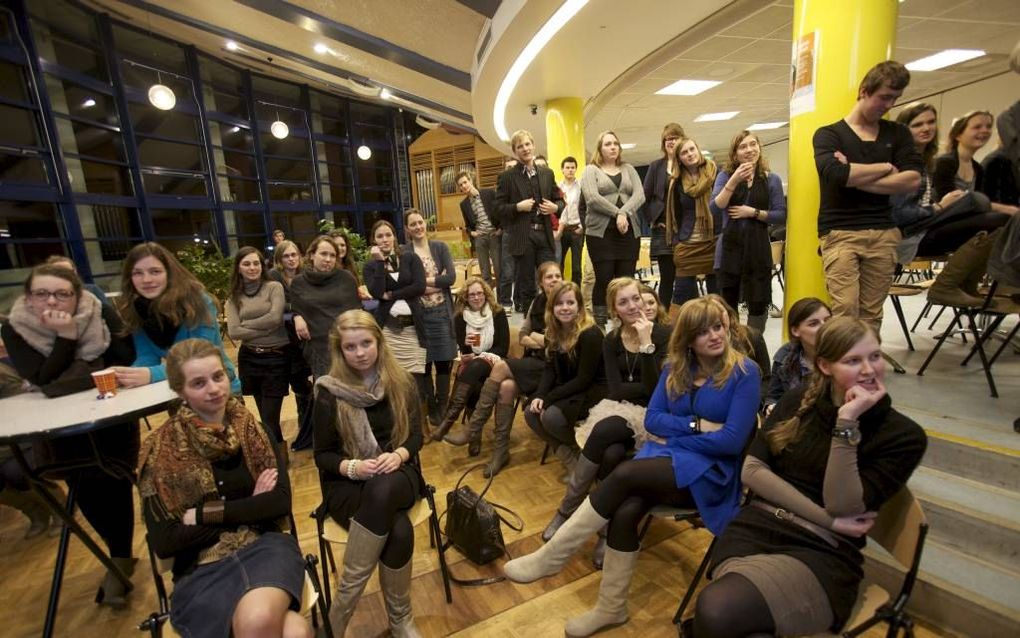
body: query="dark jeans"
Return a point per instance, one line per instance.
(507, 270)
(607, 270)
(686, 288)
(536, 251)
(574, 243)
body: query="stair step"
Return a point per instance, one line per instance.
(992, 465)
(970, 516)
(954, 590)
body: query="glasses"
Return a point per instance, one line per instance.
(475, 294)
(44, 295)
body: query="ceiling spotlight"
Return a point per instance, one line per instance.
(385, 94)
(321, 48)
(162, 97)
(88, 103)
(364, 152)
(232, 46)
(367, 90)
(279, 129)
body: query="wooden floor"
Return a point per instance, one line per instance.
(671, 553)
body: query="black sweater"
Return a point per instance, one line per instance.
(646, 367)
(319, 298)
(570, 373)
(409, 286)
(500, 338)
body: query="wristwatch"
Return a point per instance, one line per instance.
(850, 435)
(649, 349)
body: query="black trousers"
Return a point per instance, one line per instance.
(537, 250)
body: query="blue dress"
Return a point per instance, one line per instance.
(706, 463)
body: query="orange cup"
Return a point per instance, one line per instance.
(474, 339)
(106, 382)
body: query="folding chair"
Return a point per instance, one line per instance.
(777, 261)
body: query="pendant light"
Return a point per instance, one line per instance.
(279, 128)
(364, 152)
(162, 96)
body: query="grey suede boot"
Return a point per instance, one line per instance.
(583, 476)
(501, 444)
(112, 592)
(552, 556)
(461, 392)
(360, 559)
(611, 608)
(483, 409)
(396, 589)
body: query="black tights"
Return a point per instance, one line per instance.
(632, 489)
(667, 272)
(732, 296)
(732, 606)
(385, 500)
(606, 271)
(269, 412)
(108, 505)
(608, 444)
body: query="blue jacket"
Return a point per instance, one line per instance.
(707, 463)
(786, 375)
(149, 355)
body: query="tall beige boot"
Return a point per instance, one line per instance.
(461, 392)
(581, 479)
(472, 437)
(501, 444)
(552, 556)
(396, 589)
(611, 608)
(360, 559)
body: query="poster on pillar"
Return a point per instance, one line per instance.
(803, 74)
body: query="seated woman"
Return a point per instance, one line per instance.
(795, 360)
(574, 379)
(701, 416)
(367, 431)
(318, 296)
(958, 170)
(832, 452)
(748, 341)
(512, 376)
(255, 318)
(654, 310)
(215, 501)
(57, 334)
(633, 356)
(483, 333)
(162, 303)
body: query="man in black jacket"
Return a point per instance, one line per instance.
(526, 196)
(482, 223)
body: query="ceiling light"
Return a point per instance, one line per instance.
(562, 16)
(688, 87)
(279, 129)
(367, 90)
(88, 103)
(765, 126)
(232, 46)
(942, 59)
(235, 129)
(716, 117)
(162, 97)
(321, 48)
(364, 152)
(385, 94)
(424, 122)
(627, 146)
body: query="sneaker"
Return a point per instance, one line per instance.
(776, 312)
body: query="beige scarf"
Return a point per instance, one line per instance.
(699, 187)
(352, 422)
(93, 333)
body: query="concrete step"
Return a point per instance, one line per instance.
(985, 463)
(972, 517)
(954, 590)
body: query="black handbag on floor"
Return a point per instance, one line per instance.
(473, 526)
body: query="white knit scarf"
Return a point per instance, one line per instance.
(483, 325)
(93, 333)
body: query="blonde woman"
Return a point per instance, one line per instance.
(700, 416)
(613, 194)
(367, 432)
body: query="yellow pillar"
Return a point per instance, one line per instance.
(834, 45)
(564, 134)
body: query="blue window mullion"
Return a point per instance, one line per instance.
(260, 160)
(191, 59)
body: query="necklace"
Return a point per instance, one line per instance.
(630, 364)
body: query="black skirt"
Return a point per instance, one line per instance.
(264, 373)
(613, 245)
(746, 260)
(343, 497)
(527, 373)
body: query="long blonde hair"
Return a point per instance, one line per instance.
(696, 316)
(558, 336)
(395, 380)
(835, 338)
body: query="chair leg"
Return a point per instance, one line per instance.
(545, 454)
(985, 335)
(1005, 343)
(898, 306)
(698, 575)
(942, 339)
(938, 315)
(981, 355)
(440, 547)
(924, 313)
(322, 604)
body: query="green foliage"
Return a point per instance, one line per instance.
(355, 242)
(210, 267)
(460, 249)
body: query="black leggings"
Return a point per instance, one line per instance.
(442, 367)
(632, 489)
(947, 238)
(608, 444)
(606, 271)
(385, 500)
(731, 294)
(667, 272)
(732, 606)
(475, 372)
(269, 412)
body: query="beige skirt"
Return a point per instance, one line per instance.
(406, 350)
(795, 598)
(633, 414)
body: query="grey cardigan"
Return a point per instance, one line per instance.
(600, 194)
(446, 273)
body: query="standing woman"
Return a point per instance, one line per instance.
(162, 303)
(957, 168)
(345, 260)
(574, 379)
(317, 296)
(656, 183)
(795, 360)
(831, 454)
(287, 266)
(396, 278)
(367, 431)
(255, 317)
(437, 311)
(57, 334)
(215, 500)
(691, 224)
(702, 414)
(613, 195)
(748, 197)
(632, 354)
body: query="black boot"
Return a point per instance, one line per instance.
(442, 396)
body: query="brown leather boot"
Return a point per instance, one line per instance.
(472, 436)
(461, 392)
(957, 284)
(501, 441)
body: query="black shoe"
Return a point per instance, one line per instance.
(1016, 426)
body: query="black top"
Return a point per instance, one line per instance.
(621, 365)
(500, 338)
(409, 286)
(57, 374)
(891, 447)
(944, 176)
(514, 185)
(574, 372)
(848, 208)
(329, 446)
(319, 298)
(999, 179)
(234, 484)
